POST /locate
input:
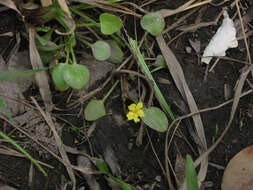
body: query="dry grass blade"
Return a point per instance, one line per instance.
(109, 6)
(11, 5)
(188, 5)
(244, 35)
(46, 3)
(58, 140)
(179, 79)
(41, 77)
(10, 152)
(168, 12)
(64, 7)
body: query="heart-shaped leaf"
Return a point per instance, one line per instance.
(160, 62)
(101, 50)
(155, 119)
(153, 23)
(76, 76)
(58, 77)
(94, 110)
(109, 23)
(116, 53)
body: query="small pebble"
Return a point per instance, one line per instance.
(188, 49)
(130, 146)
(158, 178)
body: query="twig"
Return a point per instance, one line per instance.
(58, 140)
(244, 36)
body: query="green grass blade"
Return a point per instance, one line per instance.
(23, 151)
(124, 185)
(144, 66)
(5, 110)
(7, 75)
(102, 166)
(191, 176)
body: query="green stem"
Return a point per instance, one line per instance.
(85, 25)
(85, 42)
(73, 55)
(157, 69)
(84, 16)
(67, 56)
(110, 91)
(94, 33)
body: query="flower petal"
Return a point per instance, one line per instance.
(140, 113)
(130, 115)
(136, 119)
(132, 107)
(139, 105)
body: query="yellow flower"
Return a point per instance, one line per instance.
(135, 111)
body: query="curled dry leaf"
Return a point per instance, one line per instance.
(238, 174)
(10, 4)
(41, 77)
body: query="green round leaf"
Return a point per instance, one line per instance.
(153, 23)
(101, 50)
(94, 110)
(76, 76)
(58, 77)
(116, 53)
(155, 119)
(160, 62)
(109, 23)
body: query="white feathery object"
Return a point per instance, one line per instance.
(224, 38)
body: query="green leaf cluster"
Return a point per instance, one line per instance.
(65, 75)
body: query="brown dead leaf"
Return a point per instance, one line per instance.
(238, 174)
(177, 74)
(11, 5)
(41, 77)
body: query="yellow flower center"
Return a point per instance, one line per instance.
(135, 111)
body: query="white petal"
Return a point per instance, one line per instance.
(224, 38)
